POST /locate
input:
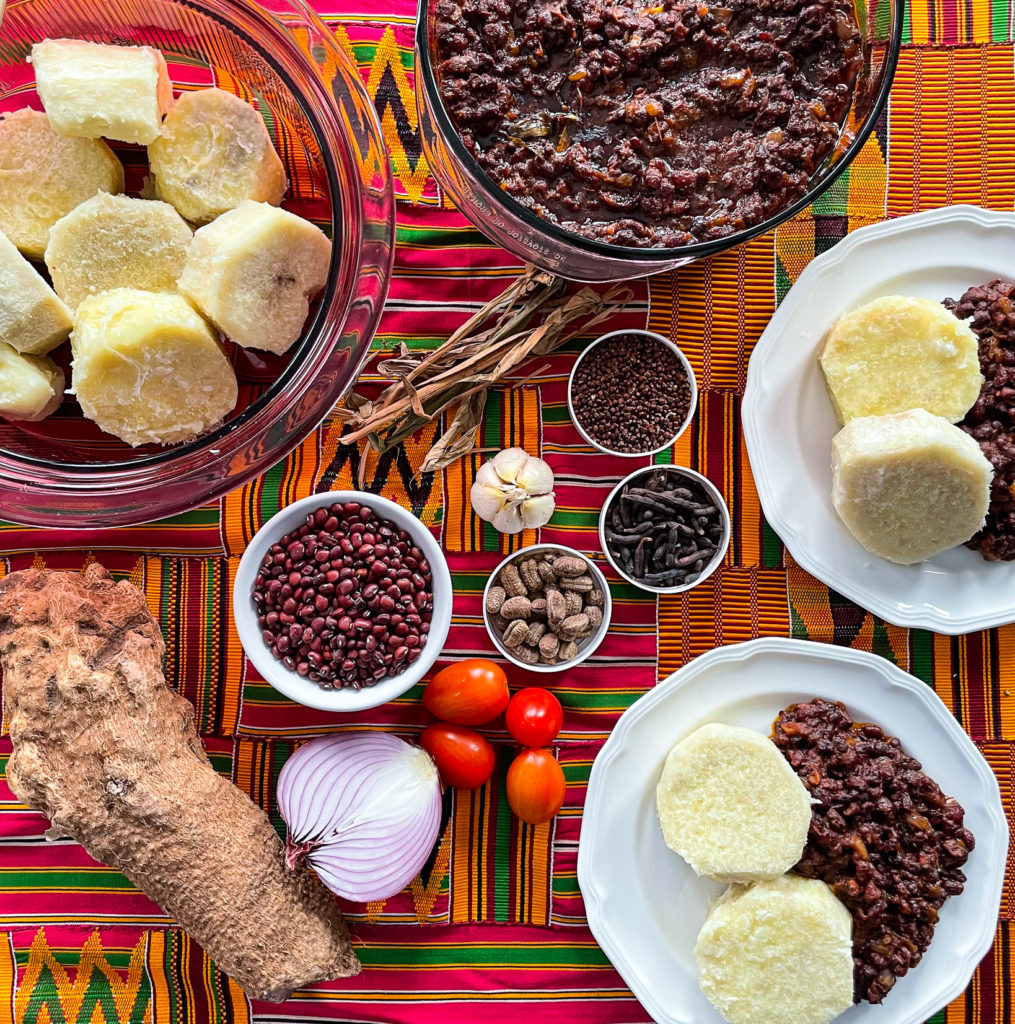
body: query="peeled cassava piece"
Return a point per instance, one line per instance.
(214, 151)
(909, 486)
(898, 353)
(93, 90)
(31, 387)
(253, 273)
(117, 242)
(780, 950)
(109, 753)
(44, 176)
(148, 369)
(731, 806)
(33, 320)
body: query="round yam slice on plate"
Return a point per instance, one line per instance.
(898, 353)
(780, 950)
(909, 486)
(731, 806)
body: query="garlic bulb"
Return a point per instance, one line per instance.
(513, 491)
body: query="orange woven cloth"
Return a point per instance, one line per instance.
(495, 928)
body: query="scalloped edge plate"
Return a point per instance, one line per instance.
(645, 905)
(789, 422)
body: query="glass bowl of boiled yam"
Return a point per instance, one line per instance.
(196, 235)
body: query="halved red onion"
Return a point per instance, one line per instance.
(364, 809)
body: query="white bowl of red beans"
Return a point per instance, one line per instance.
(342, 601)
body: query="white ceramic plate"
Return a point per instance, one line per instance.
(789, 421)
(644, 904)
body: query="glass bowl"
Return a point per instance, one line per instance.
(64, 471)
(568, 255)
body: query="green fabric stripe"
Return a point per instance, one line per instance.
(907, 25)
(565, 886)
(577, 519)
(63, 878)
(577, 772)
(922, 645)
(556, 415)
(771, 547)
(999, 20)
(583, 700)
(271, 486)
(490, 432)
(211, 591)
(435, 954)
(364, 53)
(502, 857)
(835, 201)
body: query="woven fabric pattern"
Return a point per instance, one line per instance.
(494, 927)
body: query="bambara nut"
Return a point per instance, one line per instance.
(556, 608)
(516, 608)
(594, 615)
(516, 633)
(573, 602)
(527, 655)
(567, 651)
(529, 572)
(581, 584)
(539, 606)
(573, 627)
(536, 631)
(569, 565)
(495, 597)
(549, 645)
(511, 581)
(596, 598)
(546, 573)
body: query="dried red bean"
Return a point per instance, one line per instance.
(345, 599)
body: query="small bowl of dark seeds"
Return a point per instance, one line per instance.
(547, 608)
(343, 601)
(665, 528)
(632, 393)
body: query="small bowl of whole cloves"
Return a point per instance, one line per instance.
(665, 529)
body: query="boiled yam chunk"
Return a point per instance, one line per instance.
(780, 950)
(31, 387)
(909, 486)
(253, 273)
(117, 242)
(731, 806)
(148, 369)
(214, 151)
(898, 353)
(92, 90)
(33, 320)
(43, 176)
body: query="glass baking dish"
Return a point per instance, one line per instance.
(63, 471)
(568, 255)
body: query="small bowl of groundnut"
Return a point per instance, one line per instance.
(547, 608)
(632, 393)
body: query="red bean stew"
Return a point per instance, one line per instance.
(882, 835)
(649, 123)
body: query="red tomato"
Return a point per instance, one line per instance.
(470, 692)
(534, 717)
(535, 786)
(463, 757)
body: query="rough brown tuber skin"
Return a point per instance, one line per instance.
(109, 753)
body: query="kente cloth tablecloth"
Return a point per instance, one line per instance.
(494, 929)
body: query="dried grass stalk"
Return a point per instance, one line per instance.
(484, 351)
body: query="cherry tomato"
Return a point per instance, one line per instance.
(463, 757)
(534, 717)
(535, 786)
(470, 692)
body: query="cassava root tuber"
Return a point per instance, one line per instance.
(109, 753)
